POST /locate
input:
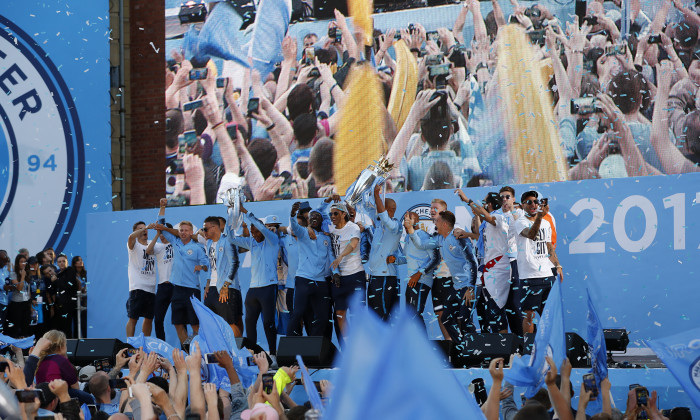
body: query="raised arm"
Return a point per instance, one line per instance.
(498, 13)
(420, 107)
(672, 160)
(561, 409)
(182, 79)
(135, 234)
(634, 161)
(476, 207)
(254, 221)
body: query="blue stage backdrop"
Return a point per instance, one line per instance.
(54, 130)
(633, 241)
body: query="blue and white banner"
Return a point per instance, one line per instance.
(54, 122)
(152, 344)
(681, 354)
(634, 240)
(23, 343)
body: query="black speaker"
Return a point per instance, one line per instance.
(317, 352)
(323, 9)
(91, 349)
(479, 349)
(576, 349)
(71, 344)
(616, 339)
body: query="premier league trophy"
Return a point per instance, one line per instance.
(232, 198)
(367, 179)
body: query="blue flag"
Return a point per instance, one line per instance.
(681, 355)
(529, 371)
(152, 344)
(599, 355)
(387, 382)
(216, 335)
(86, 412)
(310, 388)
(23, 343)
(271, 22)
(190, 45)
(219, 36)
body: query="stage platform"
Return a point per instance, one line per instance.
(655, 379)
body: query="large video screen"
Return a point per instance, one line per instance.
(265, 98)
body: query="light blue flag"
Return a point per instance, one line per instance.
(529, 371)
(190, 45)
(681, 355)
(211, 373)
(217, 335)
(152, 344)
(599, 355)
(23, 343)
(86, 412)
(220, 37)
(271, 22)
(309, 386)
(387, 382)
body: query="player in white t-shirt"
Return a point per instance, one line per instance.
(142, 280)
(345, 237)
(511, 213)
(494, 277)
(536, 257)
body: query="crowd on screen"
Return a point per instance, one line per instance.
(41, 292)
(277, 133)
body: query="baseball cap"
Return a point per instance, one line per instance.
(32, 260)
(340, 206)
(260, 408)
(86, 373)
(271, 220)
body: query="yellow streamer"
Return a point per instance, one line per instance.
(359, 140)
(532, 135)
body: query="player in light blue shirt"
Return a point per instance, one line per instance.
(420, 264)
(264, 246)
(459, 258)
(312, 278)
(383, 288)
(189, 260)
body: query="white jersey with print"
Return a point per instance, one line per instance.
(533, 256)
(164, 261)
(142, 269)
(496, 274)
(511, 217)
(213, 273)
(352, 263)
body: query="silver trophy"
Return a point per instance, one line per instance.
(233, 198)
(366, 179)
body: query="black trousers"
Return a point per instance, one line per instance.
(262, 300)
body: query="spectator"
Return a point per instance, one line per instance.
(19, 309)
(53, 362)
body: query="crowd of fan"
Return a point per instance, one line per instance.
(147, 386)
(41, 292)
(278, 132)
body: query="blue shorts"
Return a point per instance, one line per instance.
(535, 292)
(356, 282)
(141, 304)
(181, 309)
